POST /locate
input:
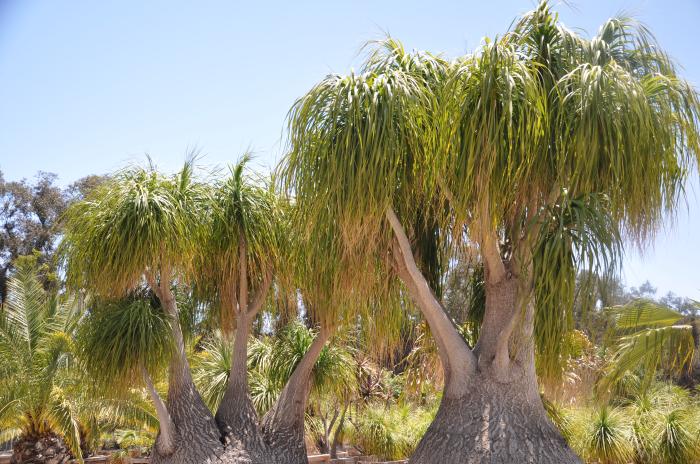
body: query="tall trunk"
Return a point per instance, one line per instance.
(236, 416)
(457, 359)
(491, 411)
(283, 425)
(199, 439)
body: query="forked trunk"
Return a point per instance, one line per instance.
(491, 411)
(501, 419)
(496, 423)
(283, 425)
(197, 436)
(338, 434)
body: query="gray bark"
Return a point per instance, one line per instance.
(236, 417)
(283, 425)
(496, 423)
(501, 419)
(491, 411)
(165, 441)
(198, 438)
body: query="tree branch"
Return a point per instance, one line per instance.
(458, 360)
(488, 243)
(166, 437)
(242, 276)
(261, 294)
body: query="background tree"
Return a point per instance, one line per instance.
(29, 216)
(30, 220)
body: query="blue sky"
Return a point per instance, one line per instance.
(88, 86)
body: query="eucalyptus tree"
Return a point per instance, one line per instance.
(142, 228)
(539, 151)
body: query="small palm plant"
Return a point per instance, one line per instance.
(652, 337)
(37, 369)
(271, 361)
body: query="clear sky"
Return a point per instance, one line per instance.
(87, 86)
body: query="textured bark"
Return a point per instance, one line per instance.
(236, 417)
(198, 437)
(496, 423)
(491, 411)
(283, 425)
(49, 448)
(501, 419)
(502, 311)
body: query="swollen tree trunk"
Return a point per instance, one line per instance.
(236, 416)
(501, 419)
(283, 425)
(491, 411)
(198, 438)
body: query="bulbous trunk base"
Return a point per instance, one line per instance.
(247, 448)
(197, 438)
(45, 449)
(494, 423)
(287, 445)
(191, 447)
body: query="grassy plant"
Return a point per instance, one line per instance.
(390, 432)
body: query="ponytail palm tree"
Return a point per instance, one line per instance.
(247, 242)
(241, 252)
(539, 151)
(143, 228)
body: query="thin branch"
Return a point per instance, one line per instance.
(242, 275)
(166, 438)
(458, 360)
(261, 294)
